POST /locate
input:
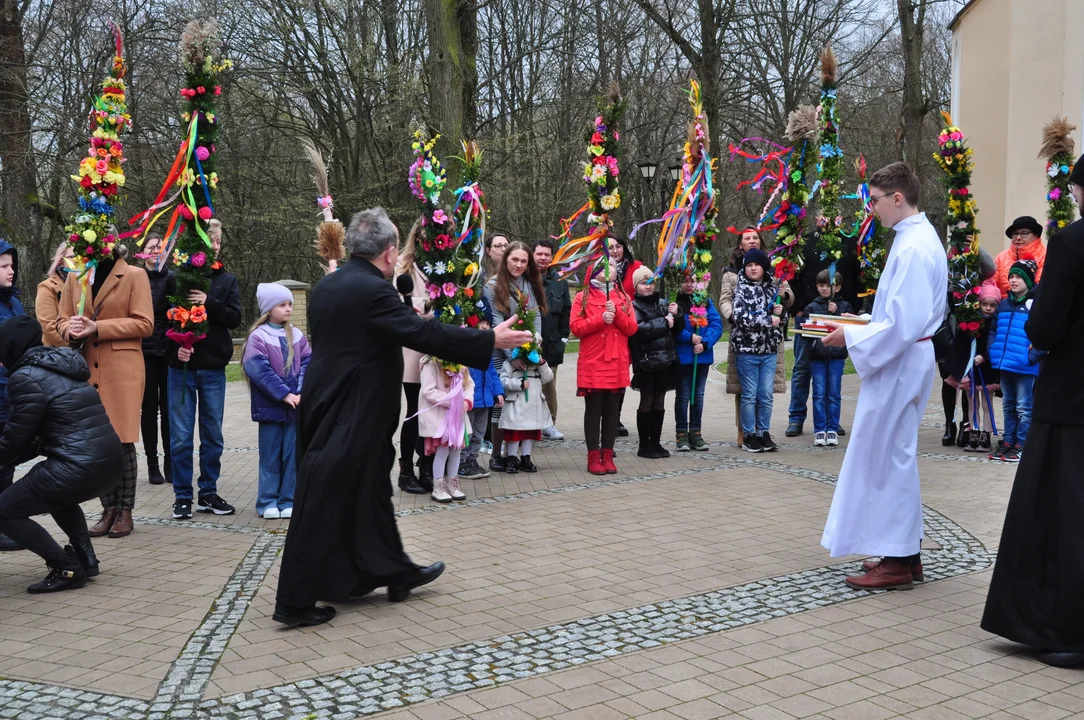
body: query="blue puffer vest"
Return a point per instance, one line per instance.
(1008, 342)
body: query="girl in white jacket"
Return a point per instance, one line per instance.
(525, 413)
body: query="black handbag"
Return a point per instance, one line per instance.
(943, 340)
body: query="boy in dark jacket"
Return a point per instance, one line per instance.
(488, 393)
(826, 364)
(1008, 353)
(55, 413)
(758, 321)
(199, 376)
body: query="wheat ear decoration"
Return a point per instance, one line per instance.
(829, 66)
(323, 188)
(1057, 138)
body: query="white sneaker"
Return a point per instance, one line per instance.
(454, 490)
(271, 513)
(287, 513)
(487, 447)
(833, 439)
(819, 439)
(440, 491)
(552, 433)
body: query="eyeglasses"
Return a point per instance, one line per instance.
(873, 200)
(1022, 234)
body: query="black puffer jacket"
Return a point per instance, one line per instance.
(818, 350)
(55, 413)
(652, 347)
(157, 344)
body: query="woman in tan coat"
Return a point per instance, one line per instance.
(47, 304)
(750, 238)
(117, 315)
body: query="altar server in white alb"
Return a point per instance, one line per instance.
(877, 507)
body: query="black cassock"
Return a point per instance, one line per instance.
(343, 536)
(1037, 591)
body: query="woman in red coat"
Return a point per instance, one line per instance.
(603, 325)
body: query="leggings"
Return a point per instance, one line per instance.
(600, 417)
(446, 462)
(652, 401)
(948, 399)
(155, 403)
(32, 496)
(408, 434)
(516, 447)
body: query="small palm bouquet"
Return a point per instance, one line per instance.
(530, 353)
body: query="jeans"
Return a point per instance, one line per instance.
(208, 389)
(799, 379)
(278, 466)
(827, 376)
(688, 417)
(757, 376)
(479, 418)
(1017, 390)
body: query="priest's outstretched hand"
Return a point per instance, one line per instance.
(505, 338)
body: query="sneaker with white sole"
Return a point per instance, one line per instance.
(214, 504)
(287, 513)
(552, 433)
(271, 513)
(820, 439)
(440, 491)
(832, 439)
(182, 510)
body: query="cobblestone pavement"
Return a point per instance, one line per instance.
(692, 587)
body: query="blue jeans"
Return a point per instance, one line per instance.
(278, 466)
(757, 376)
(208, 389)
(799, 379)
(827, 376)
(689, 417)
(1017, 390)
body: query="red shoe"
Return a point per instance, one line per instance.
(594, 462)
(888, 575)
(608, 461)
(916, 569)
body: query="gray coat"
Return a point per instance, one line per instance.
(525, 410)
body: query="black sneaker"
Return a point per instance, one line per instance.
(752, 444)
(511, 465)
(622, 431)
(999, 452)
(526, 465)
(766, 441)
(794, 430)
(214, 504)
(1012, 454)
(471, 469)
(182, 510)
(496, 463)
(841, 432)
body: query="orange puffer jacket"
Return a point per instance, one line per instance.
(1005, 259)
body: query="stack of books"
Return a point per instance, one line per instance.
(815, 327)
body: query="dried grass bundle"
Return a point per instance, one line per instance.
(323, 187)
(331, 240)
(829, 66)
(199, 38)
(1057, 138)
(802, 124)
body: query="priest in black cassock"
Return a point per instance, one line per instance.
(1037, 590)
(343, 541)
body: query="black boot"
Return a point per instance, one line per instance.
(84, 553)
(963, 435)
(154, 475)
(65, 573)
(425, 473)
(950, 434)
(657, 418)
(408, 483)
(643, 430)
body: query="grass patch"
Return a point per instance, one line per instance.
(234, 372)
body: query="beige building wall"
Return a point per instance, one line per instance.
(1015, 65)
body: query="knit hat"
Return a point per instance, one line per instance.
(269, 295)
(989, 291)
(1077, 176)
(1026, 269)
(487, 312)
(1025, 222)
(759, 257)
(17, 335)
(642, 273)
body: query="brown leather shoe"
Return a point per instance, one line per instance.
(122, 526)
(916, 569)
(103, 526)
(888, 575)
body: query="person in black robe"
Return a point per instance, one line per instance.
(343, 540)
(1037, 591)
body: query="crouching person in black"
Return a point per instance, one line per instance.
(55, 413)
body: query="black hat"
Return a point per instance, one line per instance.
(1026, 222)
(17, 335)
(1077, 176)
(758, 256)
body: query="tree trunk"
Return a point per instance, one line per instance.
(912, 18)
(19, 204)
(452, 27)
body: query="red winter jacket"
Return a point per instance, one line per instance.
(604, 349)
